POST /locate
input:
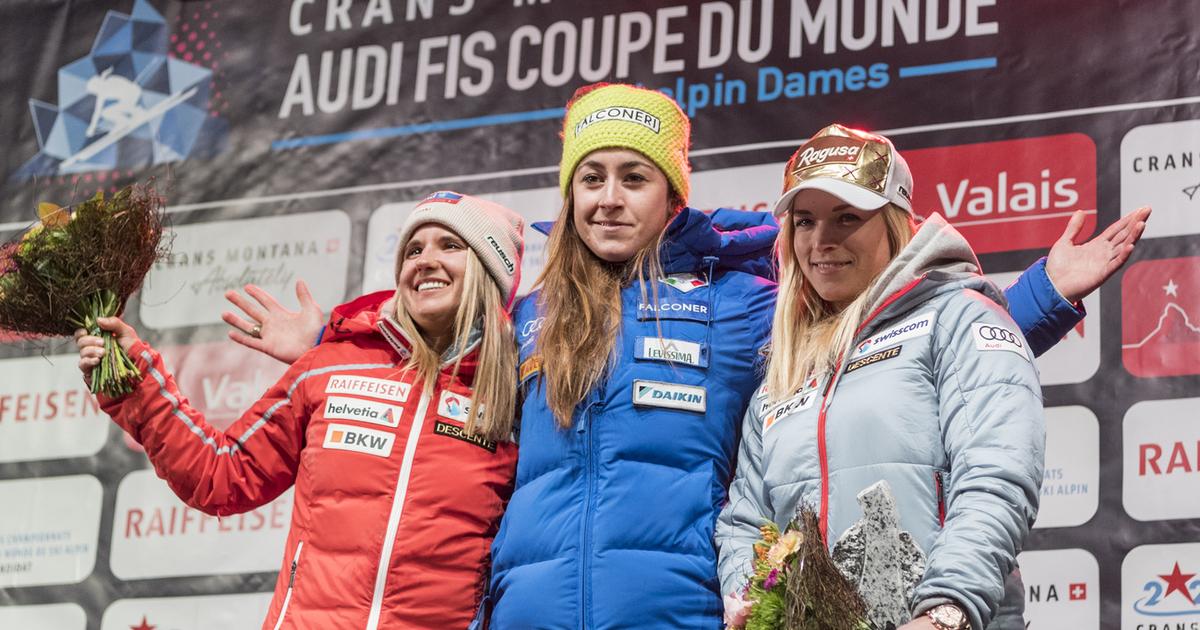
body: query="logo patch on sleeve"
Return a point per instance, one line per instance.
(992, 337)
(457, 432)
(669, 395)
(369, 387)
(795, 404)
(343, 408)
(918, 326)
(882, 355)
(685, 282)
(345, 437)
(672, 351)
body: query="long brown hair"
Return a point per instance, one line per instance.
(808, 334)
(581, 301)
(494, 391)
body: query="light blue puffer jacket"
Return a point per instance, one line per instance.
(942, 382)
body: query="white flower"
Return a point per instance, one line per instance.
(737, 610)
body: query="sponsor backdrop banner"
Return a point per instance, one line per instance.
(292, 138)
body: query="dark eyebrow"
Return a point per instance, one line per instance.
(624, 165)
(840, 208)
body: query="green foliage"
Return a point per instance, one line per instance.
(807, 591)
(769, 610)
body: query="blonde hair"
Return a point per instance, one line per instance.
(808, 334)
(494, 391)
(581, 302)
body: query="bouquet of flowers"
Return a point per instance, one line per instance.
(796, 585)
(81, 263)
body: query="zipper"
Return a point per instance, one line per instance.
(712, 304)
(822, 451)
(939, 485)
(585, 607)
(389, 540)
(287, 599)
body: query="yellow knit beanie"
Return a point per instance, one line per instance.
(614, 115)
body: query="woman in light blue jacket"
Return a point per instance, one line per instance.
(887, 329)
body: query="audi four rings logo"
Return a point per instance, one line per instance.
(999, 333)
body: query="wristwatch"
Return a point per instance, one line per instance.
(948, 617)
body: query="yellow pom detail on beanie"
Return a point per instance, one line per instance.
(609, 116)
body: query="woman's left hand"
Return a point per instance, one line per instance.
(271, 328)
(1078, 269)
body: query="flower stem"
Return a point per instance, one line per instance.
(117, 373)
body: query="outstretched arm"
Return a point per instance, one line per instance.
(216, 472)
(270, 328)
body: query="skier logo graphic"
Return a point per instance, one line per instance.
(1160, 320)
(124, 105)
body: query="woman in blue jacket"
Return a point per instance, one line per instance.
(639, 353)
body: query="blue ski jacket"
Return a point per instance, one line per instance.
(611, 522)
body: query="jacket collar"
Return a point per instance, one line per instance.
(937, 260)
(374, 314)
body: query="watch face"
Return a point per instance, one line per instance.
(949, 616)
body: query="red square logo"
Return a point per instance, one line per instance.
(1008, 195)
(1077, 591)
(1160, 317)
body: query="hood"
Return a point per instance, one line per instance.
(937, 260)
(371, 315)
(738, 240)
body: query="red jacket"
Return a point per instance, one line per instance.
(395, 508)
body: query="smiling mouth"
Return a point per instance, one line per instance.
(431, 285)
(827, 267)
(610, 225)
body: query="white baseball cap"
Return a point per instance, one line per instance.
(860, 168)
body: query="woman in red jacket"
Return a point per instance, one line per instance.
(396, 432)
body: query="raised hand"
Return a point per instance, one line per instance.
(1078, 269)
(91, 347)
(270, 328)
